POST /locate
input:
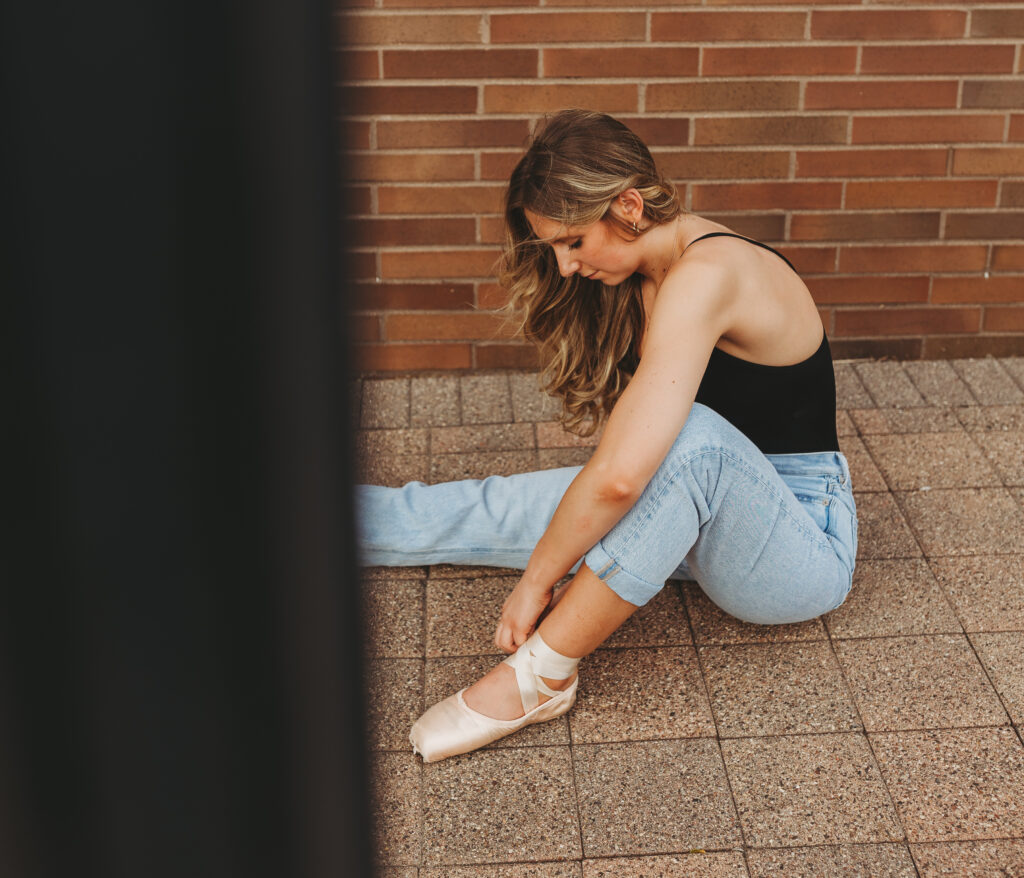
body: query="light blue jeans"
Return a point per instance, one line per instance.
(769, 538)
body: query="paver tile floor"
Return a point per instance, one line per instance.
(882, 740)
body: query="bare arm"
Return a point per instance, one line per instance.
(689, 316)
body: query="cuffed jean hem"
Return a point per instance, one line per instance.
(627, 586)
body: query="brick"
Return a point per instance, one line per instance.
(417, 28)
(659, 131)
(727, 95)
(1005, 319)
(876, 349)
(928, 129)
(765, 2)
(766, 61)
(913, 257)
(766, 196)
(907, 321)
(827, 316)
(506, 356)
(358, 65)
(423, 4)
(1011, 194)
(811, 260)
(460, 63)
(1008, 257)
(959, 346)
(551, 97)
(999, 224)
(438, 263)
(355, 134)
(770, 129)
(886, 24)
(492, 230)
(766, 228)
(482, 437)
(619, 3)
(377, 232)
(728, 165)
(385, 403)
(933, 60)
(405, 357)
(976, 161)
(446, 327)
(921, 193)
(363, 327)
(491, 296)
(870, 95)
(1017, 127)
(872, 163)
(355, 199)
(635, 61)
(361, 266)
(464, 133)
(551, 435)
(997, 23)
(706, 27)
(560, 27)
(405, 166)
(408, 297)
(995, 288)
(379, 100)
(471, 200)
(863, 226)
(868, 289)
(986, 93)
(498, 165)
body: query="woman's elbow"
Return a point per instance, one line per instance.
(620, 489)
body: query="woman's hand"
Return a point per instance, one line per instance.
(520, 613)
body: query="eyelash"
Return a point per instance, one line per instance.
(575, 245)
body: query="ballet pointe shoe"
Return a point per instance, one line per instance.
(452, 727)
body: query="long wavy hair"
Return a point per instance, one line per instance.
(577, 164)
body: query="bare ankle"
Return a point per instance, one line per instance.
(558, 685)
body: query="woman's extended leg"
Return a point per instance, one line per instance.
(493, 522)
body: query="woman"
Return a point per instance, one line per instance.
(703, 355)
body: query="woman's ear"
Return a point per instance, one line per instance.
(629, 206)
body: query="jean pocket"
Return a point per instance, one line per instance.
(820, 506)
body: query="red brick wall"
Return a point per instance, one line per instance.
(882, 145)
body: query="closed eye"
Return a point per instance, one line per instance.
(575, 245)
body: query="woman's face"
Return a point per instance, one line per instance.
(596, 252)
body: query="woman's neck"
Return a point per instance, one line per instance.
(663, 246)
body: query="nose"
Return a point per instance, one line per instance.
(567, 262)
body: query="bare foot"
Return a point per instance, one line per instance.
(496, 693)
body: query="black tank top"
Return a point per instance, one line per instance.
(781, 409)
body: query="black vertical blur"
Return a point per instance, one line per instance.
(179, 646)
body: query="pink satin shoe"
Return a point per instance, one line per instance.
(452, 727)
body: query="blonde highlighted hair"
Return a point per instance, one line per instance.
(576, 165)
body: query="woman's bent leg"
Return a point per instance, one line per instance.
(759, 552)
(493, 522)
(587, 614)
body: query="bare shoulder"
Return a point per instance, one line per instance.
(704, 284)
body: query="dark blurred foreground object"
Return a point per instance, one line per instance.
(179, 650)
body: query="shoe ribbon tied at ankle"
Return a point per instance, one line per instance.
(533, 660)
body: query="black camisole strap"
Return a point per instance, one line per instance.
(742, 238)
